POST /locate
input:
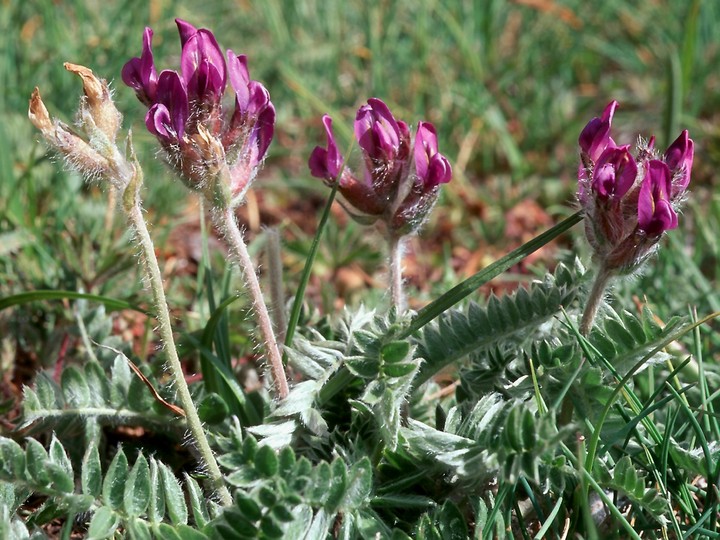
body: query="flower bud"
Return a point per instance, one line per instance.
(679, 158)
(77, 152)
(98, 101)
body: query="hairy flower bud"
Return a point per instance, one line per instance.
(99, 101)
(78, 153)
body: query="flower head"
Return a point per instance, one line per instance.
(215, 151)
(629, 201)
(393, 187)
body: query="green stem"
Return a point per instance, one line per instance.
(225, 221)
(592, 305)
(340, 379)
(307, 269)
(154, 276)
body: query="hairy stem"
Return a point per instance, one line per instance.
(592, 306)
(152, 269)
(397, 294)
(225, 221)
(594, 300)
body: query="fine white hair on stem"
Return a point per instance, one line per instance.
(227, 224)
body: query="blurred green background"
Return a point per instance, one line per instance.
(508, 84)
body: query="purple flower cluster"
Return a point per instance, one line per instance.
(629, 201)
(185, 111)
(393, 187)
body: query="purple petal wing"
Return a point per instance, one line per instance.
(140, 74)
(655, 213)
(186, 31)
(595, 137)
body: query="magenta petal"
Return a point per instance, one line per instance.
(383, 114)
(363, 126)
(239, 78)
(139, 73)
(595, 137)
(425, 148)
(614, 173)
(431, 167)
(206, 82)
(259, 98)
(334, 159)
(263, 132)
(440, 171)
(131, 74)
(377, 131)
(679, 158)
(186, 31)
(199, 48)
(655, 213)
(327, 162)
(318, 163)
(171, 93)
(158, 122)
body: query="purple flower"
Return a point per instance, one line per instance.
(386, 189)
(327, 162)
(629, 201)
(186, 114)
(679, 158)
(202, 64)
(614, 173)
(655, 212)
(595, 137)
(432, 167)
(167, 117)
(140, 74)
(377, 131)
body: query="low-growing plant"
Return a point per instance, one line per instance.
(564, 416)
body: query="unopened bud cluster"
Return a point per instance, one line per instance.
(95, 154)
(400, 181)
(214, 151)
(629, 200)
